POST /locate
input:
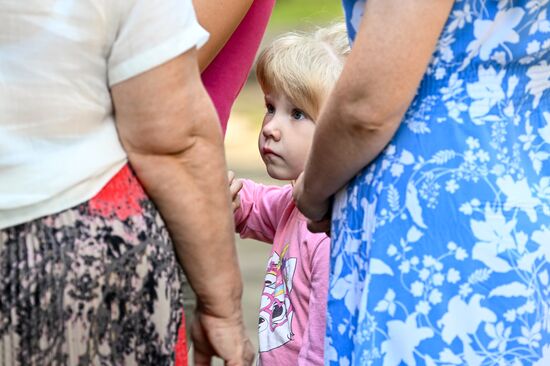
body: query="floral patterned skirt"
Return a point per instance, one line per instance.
(97, 284)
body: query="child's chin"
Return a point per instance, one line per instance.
(280, 175)
(274, 175)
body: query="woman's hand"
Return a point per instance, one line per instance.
(235, 186)
(224, 337)
(312, 210)
(316, 211)
(322, 226)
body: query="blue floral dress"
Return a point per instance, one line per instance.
(441, 246)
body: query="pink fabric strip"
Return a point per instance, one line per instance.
(227, 73)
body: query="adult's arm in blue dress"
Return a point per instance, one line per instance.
(391, 52)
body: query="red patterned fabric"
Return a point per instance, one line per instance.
(119, 197)
(181, 345)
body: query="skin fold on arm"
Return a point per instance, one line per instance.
(170, 131)
(392, 50)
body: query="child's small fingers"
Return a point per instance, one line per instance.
(230, 176)
(235, 186)
(235, 204)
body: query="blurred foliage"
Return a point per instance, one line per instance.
(299, 14)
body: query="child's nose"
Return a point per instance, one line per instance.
(271, 130)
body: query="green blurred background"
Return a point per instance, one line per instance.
(290, 14)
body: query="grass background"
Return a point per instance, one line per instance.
(297, 14)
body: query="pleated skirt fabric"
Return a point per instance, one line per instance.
(97, 284)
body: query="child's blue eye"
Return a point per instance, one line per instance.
(298, 114)
(269, 108)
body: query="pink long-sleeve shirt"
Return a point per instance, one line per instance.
(294, 299)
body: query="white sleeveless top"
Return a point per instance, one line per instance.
(58, 60)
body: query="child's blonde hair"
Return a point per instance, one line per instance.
(304, 66)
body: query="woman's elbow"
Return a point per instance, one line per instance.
(365, 115)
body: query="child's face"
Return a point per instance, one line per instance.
(285, 137)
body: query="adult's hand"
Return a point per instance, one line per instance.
(314, 210)
(220, 336)
(322, 226)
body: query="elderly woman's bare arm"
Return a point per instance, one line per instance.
(170, 131)
(220, 18)
(391, 53)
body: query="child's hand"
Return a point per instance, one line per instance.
(235, 186)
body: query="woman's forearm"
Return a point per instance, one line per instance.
(189, 189)
(392, 50)
(170, 131)
(345, 141)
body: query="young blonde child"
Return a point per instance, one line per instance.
(296, 73)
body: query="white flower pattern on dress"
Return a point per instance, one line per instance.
(441, 246)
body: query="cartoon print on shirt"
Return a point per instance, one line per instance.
(276, 311)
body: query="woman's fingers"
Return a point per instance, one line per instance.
(322, 226)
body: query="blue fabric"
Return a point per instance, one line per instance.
(441, 246)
